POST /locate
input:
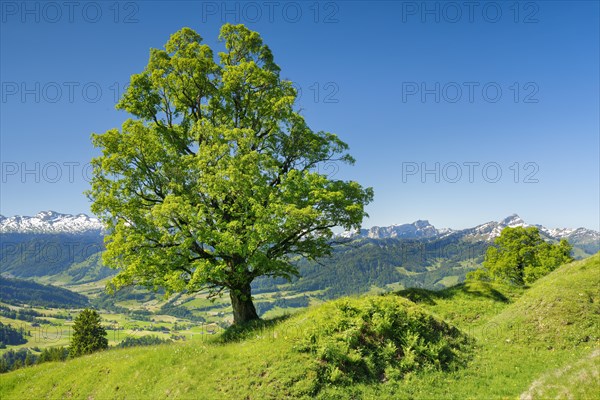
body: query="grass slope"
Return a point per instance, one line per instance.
(536, 343)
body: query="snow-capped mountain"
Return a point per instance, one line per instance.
(492, 229)
(416, 230)
(484, 232)
(54, 222)
(569, 233)
(50, 222)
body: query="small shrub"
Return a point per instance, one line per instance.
(148, 340)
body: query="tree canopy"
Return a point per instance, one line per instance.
(88, 335)
(520, 255)
(216, 180)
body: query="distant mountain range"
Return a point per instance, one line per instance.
(422, 229)
(52, 222)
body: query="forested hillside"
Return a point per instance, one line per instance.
(18, 291)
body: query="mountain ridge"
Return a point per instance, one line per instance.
(50, 222)
(421, 229)
(55, 222)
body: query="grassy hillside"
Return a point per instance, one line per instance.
(534, 343)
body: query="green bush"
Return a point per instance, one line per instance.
(379, 339)
(54, 354)
(12, 336)
(148, 340)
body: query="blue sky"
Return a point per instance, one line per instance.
(458, 114)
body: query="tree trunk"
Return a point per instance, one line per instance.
(243, 308)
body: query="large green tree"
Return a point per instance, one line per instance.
(216, 180)
(88, 334)
(520, 255)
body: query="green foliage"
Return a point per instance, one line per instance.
(379, 339)
(15, 359)
(88, 335)
(54, 354)
(521, 256)
(147, 340)
(10, 335)
(216, 182)
(18, 291)
(548, 258)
